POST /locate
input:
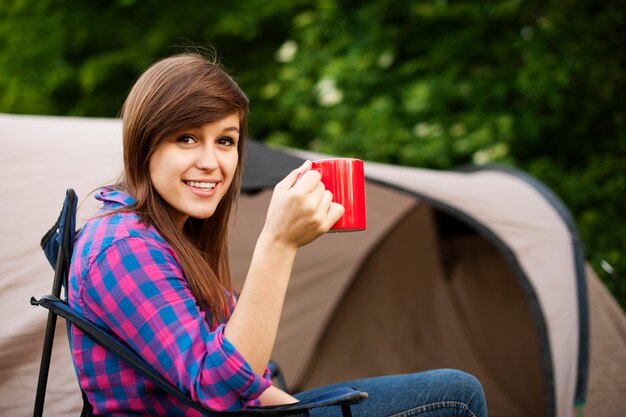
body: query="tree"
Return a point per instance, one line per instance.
(537, 85)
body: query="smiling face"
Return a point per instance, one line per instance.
(192, 170)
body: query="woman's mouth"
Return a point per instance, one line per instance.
(201, 185)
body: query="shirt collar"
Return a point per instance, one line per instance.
(110, 196)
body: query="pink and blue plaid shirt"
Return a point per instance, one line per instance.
(126, 278)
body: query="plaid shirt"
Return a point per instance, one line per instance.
(125, 278)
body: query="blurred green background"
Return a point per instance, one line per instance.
(539, 85)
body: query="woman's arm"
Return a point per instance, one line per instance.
(136, 289)
(299, 212)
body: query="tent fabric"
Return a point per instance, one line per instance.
(266, 167)
(539, 241)
(453, 321)
(541, 245)
(467, 270)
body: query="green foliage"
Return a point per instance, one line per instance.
(436, 83)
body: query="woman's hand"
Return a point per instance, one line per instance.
(301, 209)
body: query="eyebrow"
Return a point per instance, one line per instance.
(230, 129)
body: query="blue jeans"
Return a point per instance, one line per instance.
(443, 392)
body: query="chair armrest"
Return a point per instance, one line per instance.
(337, 397)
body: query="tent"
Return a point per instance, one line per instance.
(479, 270)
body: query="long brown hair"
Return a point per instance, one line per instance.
(176, 93)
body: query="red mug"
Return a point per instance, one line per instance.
(344, 177)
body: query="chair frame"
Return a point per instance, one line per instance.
(63, 232)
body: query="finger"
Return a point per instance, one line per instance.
(335, 211)
(327, 198)
(318, 193)
(294, 175)
(308, 181)
(309, 201)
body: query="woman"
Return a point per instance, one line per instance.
(153, 269)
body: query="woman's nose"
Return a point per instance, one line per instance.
(207, 159)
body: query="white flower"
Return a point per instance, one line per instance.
(327, 92)
(490, 154)
(287, 51)
(385, 59)
(424, 129)
(421, 129)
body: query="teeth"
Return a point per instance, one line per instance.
(205, 185)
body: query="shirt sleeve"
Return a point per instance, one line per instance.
(136, 288)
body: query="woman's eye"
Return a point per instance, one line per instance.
(186, 139)
(226, 140)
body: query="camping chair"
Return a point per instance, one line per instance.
(57, 245)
